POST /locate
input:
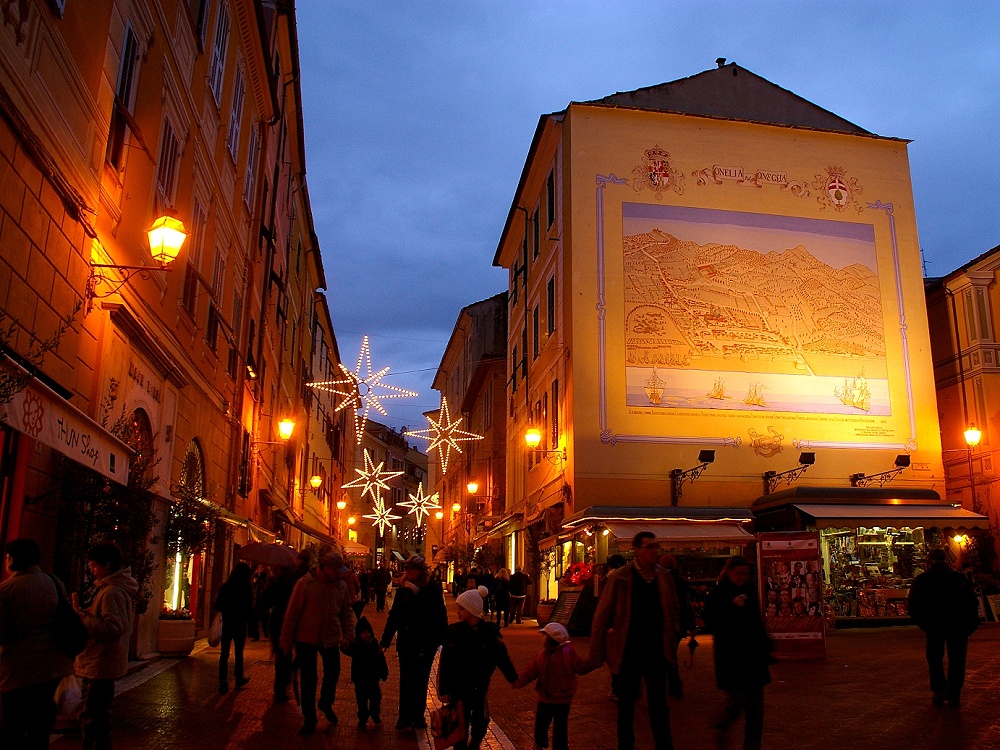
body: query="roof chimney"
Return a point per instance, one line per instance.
(720, 61)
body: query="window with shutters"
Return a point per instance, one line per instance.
(253, 159)
(199, 14)
(169, 163)
(124, 104)
(220, 45)
(189, 294)
(550, 305)
(236, 114)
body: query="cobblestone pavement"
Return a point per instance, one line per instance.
(870, 692)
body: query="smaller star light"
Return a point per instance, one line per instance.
(420, 504)
(381, 516)
(372, 480)
(359, 391)
(444, 435)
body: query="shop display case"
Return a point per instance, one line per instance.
(868, 570)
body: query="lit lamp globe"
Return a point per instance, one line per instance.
(351, 520)
(533, 437)
(315, 481)
(166, 236)
(456, 507)
(472, 487)
(439, 515)
(972, 436)
(285, 428)
(341, 505)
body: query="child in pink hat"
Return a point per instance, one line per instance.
(555, 667)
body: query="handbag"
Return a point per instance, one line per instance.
(69, 632)
(448, 725)
(215, 631)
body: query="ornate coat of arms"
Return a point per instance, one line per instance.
(654, 172)
(838, 190)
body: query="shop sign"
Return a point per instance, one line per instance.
(791, 593)
(43, 415)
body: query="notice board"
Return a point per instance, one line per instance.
(791, 593)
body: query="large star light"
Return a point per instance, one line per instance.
(444, 435)
(420, 504)
(381, 516)
(359, 390)
(372, 479)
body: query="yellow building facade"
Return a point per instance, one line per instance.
(715, 292)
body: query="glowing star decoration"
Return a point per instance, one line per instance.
(444, 435)
(372, 480)
(381, 516)
(421, 505)
(359, 391)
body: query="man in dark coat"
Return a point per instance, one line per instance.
(518, 592)
(635, 632)
(419, 619)
(943, 603)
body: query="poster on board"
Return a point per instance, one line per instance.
(791, 593)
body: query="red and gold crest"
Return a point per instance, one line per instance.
(654, 172)
(838, 190)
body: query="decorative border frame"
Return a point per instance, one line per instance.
(609, 436)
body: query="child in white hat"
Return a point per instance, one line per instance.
(555, 667)
(473, 650)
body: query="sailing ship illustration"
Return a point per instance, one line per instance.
(718, 390)
(654, 388)
(855, 392)
(755, 395)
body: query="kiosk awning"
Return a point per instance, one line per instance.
(353, 548)
(720, 531)
(835, 515)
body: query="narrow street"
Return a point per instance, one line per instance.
(870, 692)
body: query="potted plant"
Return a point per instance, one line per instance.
(543, 611)
(175, 632)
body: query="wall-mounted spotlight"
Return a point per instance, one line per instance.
(773, 478)
(679, 476)
(860, 480)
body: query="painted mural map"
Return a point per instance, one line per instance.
(751, 312)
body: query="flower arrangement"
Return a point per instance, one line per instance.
(577, 574)
(175, 614)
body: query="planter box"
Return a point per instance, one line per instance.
(175, 637)
(543, 611)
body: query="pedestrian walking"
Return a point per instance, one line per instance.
(318, 621)
(742, 652)
(555, 668)
(518, 593)
(276, 597)
(235, 602)
(368, 669)
(259, 623)
(418, 620)
(473, 650)
(944, 605)
(31, 664)
(501, 597)
(381, 578)
(635, 632)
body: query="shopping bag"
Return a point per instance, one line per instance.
(448, 725)
(67, 695)
(215, 631)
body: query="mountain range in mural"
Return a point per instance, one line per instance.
(723, 307)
